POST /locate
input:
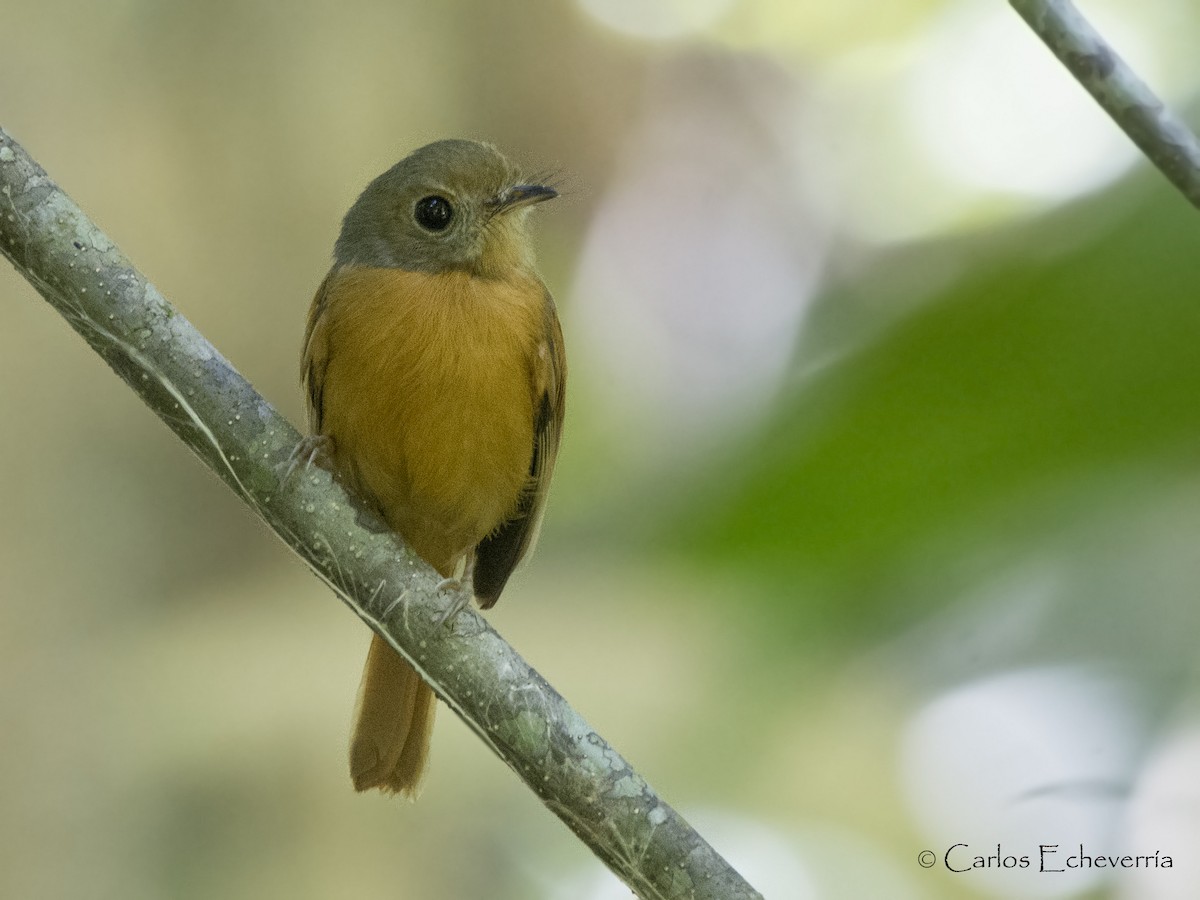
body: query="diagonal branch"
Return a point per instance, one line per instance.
(1158, 132)
(247, 443)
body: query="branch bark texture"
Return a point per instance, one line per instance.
(247, 443)
(1158, 132)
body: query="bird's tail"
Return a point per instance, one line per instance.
(393, 722)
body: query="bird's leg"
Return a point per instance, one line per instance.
(462, 587)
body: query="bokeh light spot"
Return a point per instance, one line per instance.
(657, 19)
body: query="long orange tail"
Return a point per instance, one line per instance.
(393, 724)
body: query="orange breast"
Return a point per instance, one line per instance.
(427, 395)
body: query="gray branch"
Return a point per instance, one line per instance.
(192, 388)
(1159, 133)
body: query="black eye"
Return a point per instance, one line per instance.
(434, 213)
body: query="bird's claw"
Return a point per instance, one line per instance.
(460, 599)
(313, 449)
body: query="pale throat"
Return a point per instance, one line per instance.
(507, 249)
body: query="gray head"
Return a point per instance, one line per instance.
(452, 205)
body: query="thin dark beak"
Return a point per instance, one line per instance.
(523, 195)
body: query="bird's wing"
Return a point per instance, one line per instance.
(498, 554)
(315, 357)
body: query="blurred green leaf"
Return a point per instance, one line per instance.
(979, 409)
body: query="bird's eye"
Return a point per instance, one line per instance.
(433, 213)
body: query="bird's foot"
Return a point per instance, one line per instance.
(314, 449)
(461, 595)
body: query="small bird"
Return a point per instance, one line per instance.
(434, 370)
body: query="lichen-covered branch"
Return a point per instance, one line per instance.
(1166, 141)
(247, 443)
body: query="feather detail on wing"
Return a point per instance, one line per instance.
(498, 554)
(316, 356)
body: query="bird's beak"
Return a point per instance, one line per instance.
(523, 195)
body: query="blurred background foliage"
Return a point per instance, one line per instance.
(874, 526)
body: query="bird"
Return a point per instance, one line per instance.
(434, 372)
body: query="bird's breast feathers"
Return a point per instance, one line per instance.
(429, 393)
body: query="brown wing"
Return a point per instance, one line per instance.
(498, 554)
(316, 356)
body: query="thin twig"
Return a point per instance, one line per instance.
(1161, 135)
